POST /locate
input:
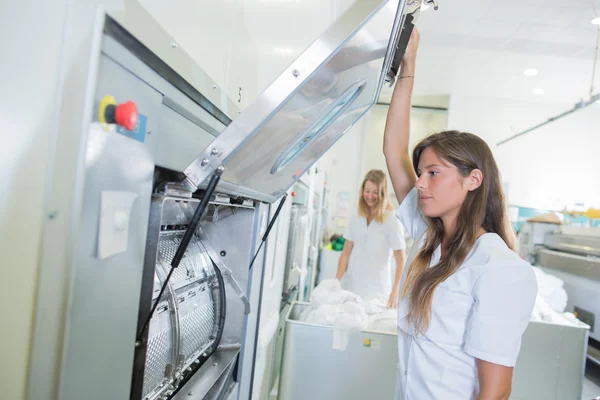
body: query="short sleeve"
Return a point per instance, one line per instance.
(395, 233)
(504, 299)
(409, 214)
(350, 230)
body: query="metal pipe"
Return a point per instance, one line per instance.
(578, 106)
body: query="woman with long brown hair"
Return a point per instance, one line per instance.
(466, 296)
(372, 238)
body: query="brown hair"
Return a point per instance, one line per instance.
(484, 207)
(378, 178)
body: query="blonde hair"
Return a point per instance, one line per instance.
(378, 178)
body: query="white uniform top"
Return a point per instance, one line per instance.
(369, 273)
(480, 312)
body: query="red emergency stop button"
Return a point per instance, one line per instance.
(125, 114)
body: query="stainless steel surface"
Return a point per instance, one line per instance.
(255, 276)
(275, 372)
(201, 383)
(193, 320)
(182, 128)
(304, 111)
(57, 122)
(584, 266)
(227, 273)
(234, 236)
(551, 363)
(312, 369)
(574, 259)
(105, 298)
(86, 306)
(583, 245)
(141, 24)
(235, 391)
(179, 127)
(232, 228)
(296, 243)
(593, 354)
(532, 236)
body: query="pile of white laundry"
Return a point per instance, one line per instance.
(551, 301)
(332, 306)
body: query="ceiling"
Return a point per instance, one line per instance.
(476, 48)
(481, 48)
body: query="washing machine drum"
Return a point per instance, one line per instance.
(187, 324)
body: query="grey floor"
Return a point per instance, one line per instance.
(591, 385)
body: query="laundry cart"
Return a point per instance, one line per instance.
(550, 365)
(364, 368)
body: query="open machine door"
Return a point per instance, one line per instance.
(318, 98)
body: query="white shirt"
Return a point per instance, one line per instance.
(479, 312)
(369, 271)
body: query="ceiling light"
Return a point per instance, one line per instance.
(530, 72)
(424, 6)
(538, 91)
(596, 21)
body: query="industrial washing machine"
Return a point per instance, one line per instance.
(573, 255)
(164, 287)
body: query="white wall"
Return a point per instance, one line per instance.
(344, 162)
(27, 122)
(245, 44)
(361, 150)
(550, 168)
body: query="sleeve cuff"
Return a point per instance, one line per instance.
(494, 359)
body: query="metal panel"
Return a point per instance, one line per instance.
(144, 27)
(275, 372)
(179, 126)
(585, 245)
(104, 306)
(585, 267)
(193, 323)
(369, 372)
(119, 82)
(296, 245)
(179, 140)
(255, 286)
(551, 363)
(304, 111)
(202, 382)
(173, 97)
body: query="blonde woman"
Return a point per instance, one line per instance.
(372, 237)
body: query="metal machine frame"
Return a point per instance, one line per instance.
(574, 259)
(89, 304)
